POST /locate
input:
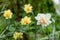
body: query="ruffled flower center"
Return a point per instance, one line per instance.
(42, 21)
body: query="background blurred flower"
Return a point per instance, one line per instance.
(56, 1)
(21, 35)
(27, 8)
(57, 6)
(26, 20)
(17, 35)
(43, 19)
(7, 14)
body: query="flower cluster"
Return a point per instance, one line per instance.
(42, 19)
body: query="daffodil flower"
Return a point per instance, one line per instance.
(26, 20)
(7, 14)
(43, 19)
(27, 8)
(21, 35)
(17, 35)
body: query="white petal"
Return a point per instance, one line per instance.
(48, 16)
(39, 16)
(38, 23)
(48, 22)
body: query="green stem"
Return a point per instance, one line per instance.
(35, 26)
(53, 32)
(49, 35)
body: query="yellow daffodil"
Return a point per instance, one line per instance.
(27, 8)
(21, 35)
(17, 35)
(7, 14)
(26, 20)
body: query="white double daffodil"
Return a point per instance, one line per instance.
(43, 19)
